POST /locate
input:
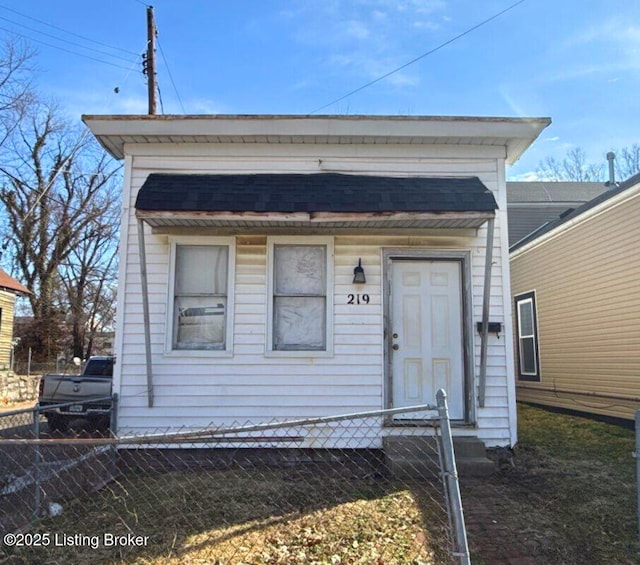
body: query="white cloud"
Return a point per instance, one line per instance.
(529, 176)
(205, 106)
(357, 29)
(364, 32)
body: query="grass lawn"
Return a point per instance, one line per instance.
(566, 496)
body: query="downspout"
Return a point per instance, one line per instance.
(145, 311)
(484, 336)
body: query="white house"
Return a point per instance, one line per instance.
(241, 239)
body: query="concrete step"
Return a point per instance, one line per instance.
(417, 457)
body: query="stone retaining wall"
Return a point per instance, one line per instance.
(18, 388)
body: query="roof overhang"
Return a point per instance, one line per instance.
(115, 132)
(320, 201)
(314, 222)
(9, 284)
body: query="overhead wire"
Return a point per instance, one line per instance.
(63, 49)
(175, 88)
(128, 60)
(420, 57)
(67, 31)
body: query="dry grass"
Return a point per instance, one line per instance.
(266, 517)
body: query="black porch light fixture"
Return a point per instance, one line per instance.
(358, 274)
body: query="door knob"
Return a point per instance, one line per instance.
(395, 347)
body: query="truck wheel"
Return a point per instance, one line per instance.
(57, 423)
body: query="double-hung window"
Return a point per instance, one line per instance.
(299, 301)
(201, 288)
(527, 333)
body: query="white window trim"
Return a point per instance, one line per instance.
(531, 299)
(230, 242)
(300, 240)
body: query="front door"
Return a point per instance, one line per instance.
(426, 334)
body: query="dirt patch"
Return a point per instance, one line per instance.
(567, 495)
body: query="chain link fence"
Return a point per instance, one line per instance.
(334, 490)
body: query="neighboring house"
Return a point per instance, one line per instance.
(242, 240)
(9, 289)
(577, 307)
(533, 204)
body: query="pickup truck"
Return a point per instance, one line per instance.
(86, 391)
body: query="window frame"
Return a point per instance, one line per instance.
(523, 298)
(230, 243)
(327, 242)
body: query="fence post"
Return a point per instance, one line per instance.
(37, 459)
(113, 423)
(113, 416)
(451, 476)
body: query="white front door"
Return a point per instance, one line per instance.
(426, 334)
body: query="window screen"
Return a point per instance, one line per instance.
(299, 297)
(200, 296)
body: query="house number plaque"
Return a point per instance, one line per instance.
(358, 299)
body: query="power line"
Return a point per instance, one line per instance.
(65, 40)
(69, 32)
(175, 88)
(63, 49)
(418, 58)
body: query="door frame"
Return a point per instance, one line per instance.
(464, 259)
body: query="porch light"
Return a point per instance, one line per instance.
(358, 274)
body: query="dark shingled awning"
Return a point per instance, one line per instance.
(322, 198)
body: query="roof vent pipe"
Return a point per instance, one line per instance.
(611, 183)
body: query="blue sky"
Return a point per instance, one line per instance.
(576, 61)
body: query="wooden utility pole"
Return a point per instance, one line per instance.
(151, 60)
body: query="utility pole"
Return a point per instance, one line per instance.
(150, 60)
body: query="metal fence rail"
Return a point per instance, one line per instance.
(339, 489)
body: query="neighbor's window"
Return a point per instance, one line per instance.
(527, 328)
(299, 297)
(200, 297)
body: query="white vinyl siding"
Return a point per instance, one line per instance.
(257, 384)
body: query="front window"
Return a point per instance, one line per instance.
(200, 297)
(299, 308)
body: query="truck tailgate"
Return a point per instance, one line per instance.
(59, 388)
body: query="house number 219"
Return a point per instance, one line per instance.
(358, 299)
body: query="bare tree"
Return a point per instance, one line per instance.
(58, 189)
(575, 167)
(16, 92)
(627, 161)
(89, 279)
